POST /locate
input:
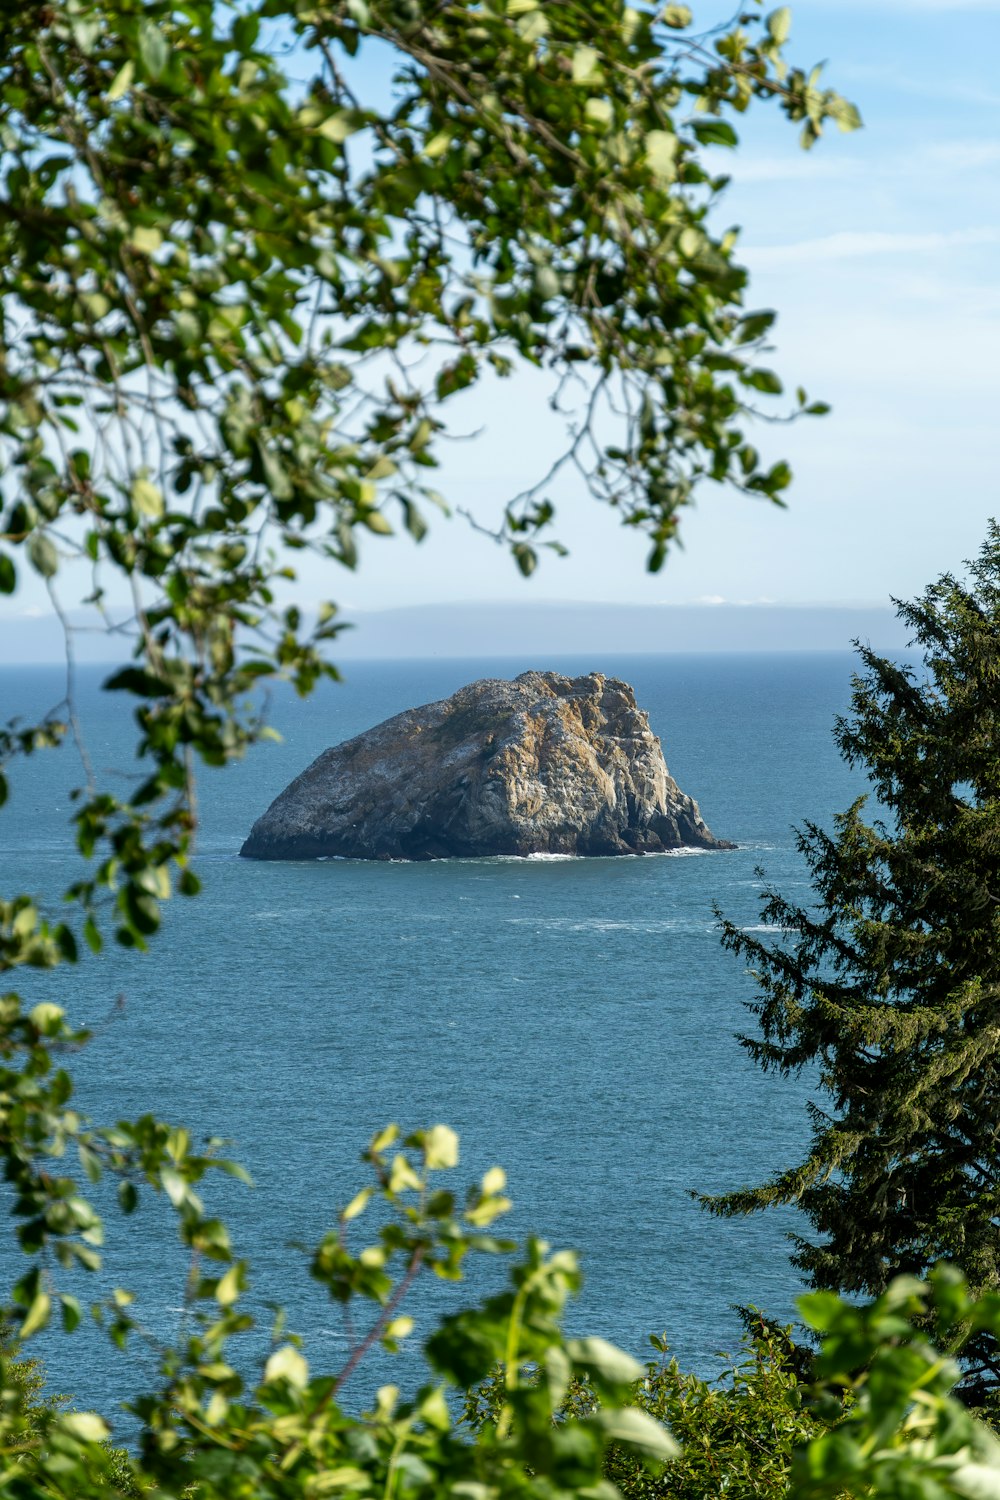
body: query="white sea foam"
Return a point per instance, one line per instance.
(504, 859)
(605, 924)
(766, 927)
(521, 859)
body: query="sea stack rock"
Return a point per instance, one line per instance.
(541, 765)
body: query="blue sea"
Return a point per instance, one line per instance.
(573, 1019)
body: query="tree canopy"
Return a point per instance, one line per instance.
(888, 982)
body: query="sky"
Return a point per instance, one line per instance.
(879, 250)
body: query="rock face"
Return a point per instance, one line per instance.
(541, 765)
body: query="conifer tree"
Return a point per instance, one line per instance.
(889, 983)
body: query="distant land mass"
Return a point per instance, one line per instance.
(534, 628)
(487, 629)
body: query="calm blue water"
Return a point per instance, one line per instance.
(573, 1020)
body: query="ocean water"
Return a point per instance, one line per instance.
(574, 1020)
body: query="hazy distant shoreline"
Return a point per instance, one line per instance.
(540, 628)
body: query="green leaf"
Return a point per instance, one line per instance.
(547, 282)
(225, 321)
(754, 326)
(135, 680)
(585, 65)
(174, 1185)
(338, 127)
(43, 555)
(434, 1408)
(122, 81)
(661, 153)
(457, 376)
(87, 1426)
(715, 133)
(145, 240)
(599, 110)
(438, 145)
(153, 49)
(639, 1431)
(846, 115)
(494, 1181)
(599, 1357)
(245, 30)
(402, 1177)
(96, 305)
(690, 241)
(357, 1205)
(971, 1481)
(147, 498)
(85, 31)
(37, 1315)
(274, 473)
(440, 1147)
(230, 1285)
(677, 16)
(71, 1313)
(534, 27)
(287, 1364)
(188, 326)
(383, 1140)
(763, 380)
(412, 519)
(779, 25)
(525, 557)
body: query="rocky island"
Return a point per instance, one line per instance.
(542, 765)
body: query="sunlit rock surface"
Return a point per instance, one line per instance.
(542, 765)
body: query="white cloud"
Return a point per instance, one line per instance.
(860, 244)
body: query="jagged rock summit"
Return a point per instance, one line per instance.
(542, 765)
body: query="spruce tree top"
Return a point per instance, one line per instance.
(888, 984)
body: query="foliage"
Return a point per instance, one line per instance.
(890, 985)
(207, 1434)
(737, 1433)
(906, 1435)
(22, 1382)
